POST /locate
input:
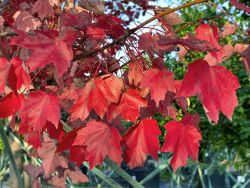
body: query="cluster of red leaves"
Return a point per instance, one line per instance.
(54, 65)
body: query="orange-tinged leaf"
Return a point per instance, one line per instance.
(98, 94)
(129, 106)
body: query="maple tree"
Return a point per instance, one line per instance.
(59, 59)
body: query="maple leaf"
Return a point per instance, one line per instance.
(210, 34)
(10, 104)
(181, 101)
(97, 94)
(55, 133)
(50, 159)
(165, 107)
(159, 82)
(47, 48)
(183, 140)
(4, 72)
(129, 106)
(38, 108)
(228, 50)
(140, 141)
(189, 119)
(135, 73)
(24, 21)
(95, 33)
(215, 87)
(100, 141)
(32, 137)
(77, 154)
(67, 140)
(17, 75)
(43, 8)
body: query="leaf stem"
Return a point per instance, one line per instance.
(11, 157)
(105, 178)
(122, 173)
(154, 173)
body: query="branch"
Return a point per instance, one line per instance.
(132, 31)
(127, 33)
(11, 157)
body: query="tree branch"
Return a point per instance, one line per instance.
(132, 31)
(127, 34)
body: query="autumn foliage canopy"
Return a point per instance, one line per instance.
(71, 75)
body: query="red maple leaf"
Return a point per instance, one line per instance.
(10, 104)
(43, 8)
(215, 87)
(24, 21)
(67, 140)
(4, 72)
(38, 108)
(128, 107)
(210, 34)
(159, 82)
(17, 75)
(77, 154)
(165, 107)
(100, 141)
(47, 48)
(98, 94)
(55, 133)
(140, 141)
(183, 140)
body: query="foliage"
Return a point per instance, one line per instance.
(79, 86)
